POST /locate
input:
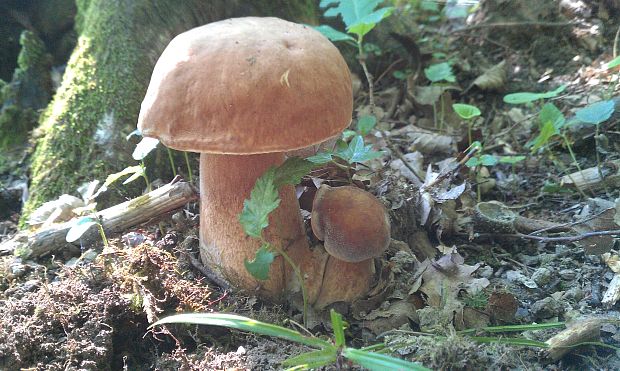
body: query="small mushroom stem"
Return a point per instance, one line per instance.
(225, 182)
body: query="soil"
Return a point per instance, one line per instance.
(445, 271)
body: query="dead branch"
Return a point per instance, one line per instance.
(114, 220)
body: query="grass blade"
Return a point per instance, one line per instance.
(380, 362)
(245, 324)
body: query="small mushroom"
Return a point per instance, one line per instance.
(353, 224)
(355, 228)
(242, 92)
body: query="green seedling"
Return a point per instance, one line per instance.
(478, 160)
(82, 225)
(468, 113)
(527, 97)
(326, 352)
(595, 114)
(437, 73)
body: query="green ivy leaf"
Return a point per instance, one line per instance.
(596, 113)
(292, 170)
(527, 97)
(365, 124)
(466, 111)
(333, 34)
(357, 151)
(263, 200)
(259, 266)
(439, 72)
(320, 158)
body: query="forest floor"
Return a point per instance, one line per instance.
(448, 268)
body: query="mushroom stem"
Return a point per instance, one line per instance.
(225, 182)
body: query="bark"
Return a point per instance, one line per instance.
(82, 132)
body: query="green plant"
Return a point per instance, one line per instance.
(528, 97)
(467, 112)
(327, 353)
(359, 17)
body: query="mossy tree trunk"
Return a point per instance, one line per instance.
(82, 132)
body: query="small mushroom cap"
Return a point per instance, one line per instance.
(353, 224)
(247, 86)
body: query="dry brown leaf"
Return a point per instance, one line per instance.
(492, 79)
(444, 278)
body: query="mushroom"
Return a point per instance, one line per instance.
(352, 222)
(242, 92)
(355, 228)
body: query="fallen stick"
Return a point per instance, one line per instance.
(612, 295)
(114, 220)
(567, 340)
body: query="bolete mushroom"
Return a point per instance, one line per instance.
(352, 223)
(242, 92)
(355, 228)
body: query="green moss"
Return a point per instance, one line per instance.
(28, 91)
(103, 81)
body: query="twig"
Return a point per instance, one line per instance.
(553, 239)
(514, 24)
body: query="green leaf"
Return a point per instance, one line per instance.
(527, 97)
(146, 146)
(357, 151)
(320, 158)
(333, 34)
(550, 113)
(263, 200)
(80, 227)
(613, 63)
(244, 324)
(365, 124)
(353, 11)
(364, 25)
(291, 171)
(547, 131)
(511, 159)
(126, 171)
(338, 326)
(596, 113)
(259, 266)
(466, 111)
(473, 162)
(135, 175)
(439, 72)
(488, 160)
(313, 359)
(348, 134)
(380, 362)
(511, 341)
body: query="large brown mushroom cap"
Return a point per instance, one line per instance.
(247, 86)
(353, 224)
